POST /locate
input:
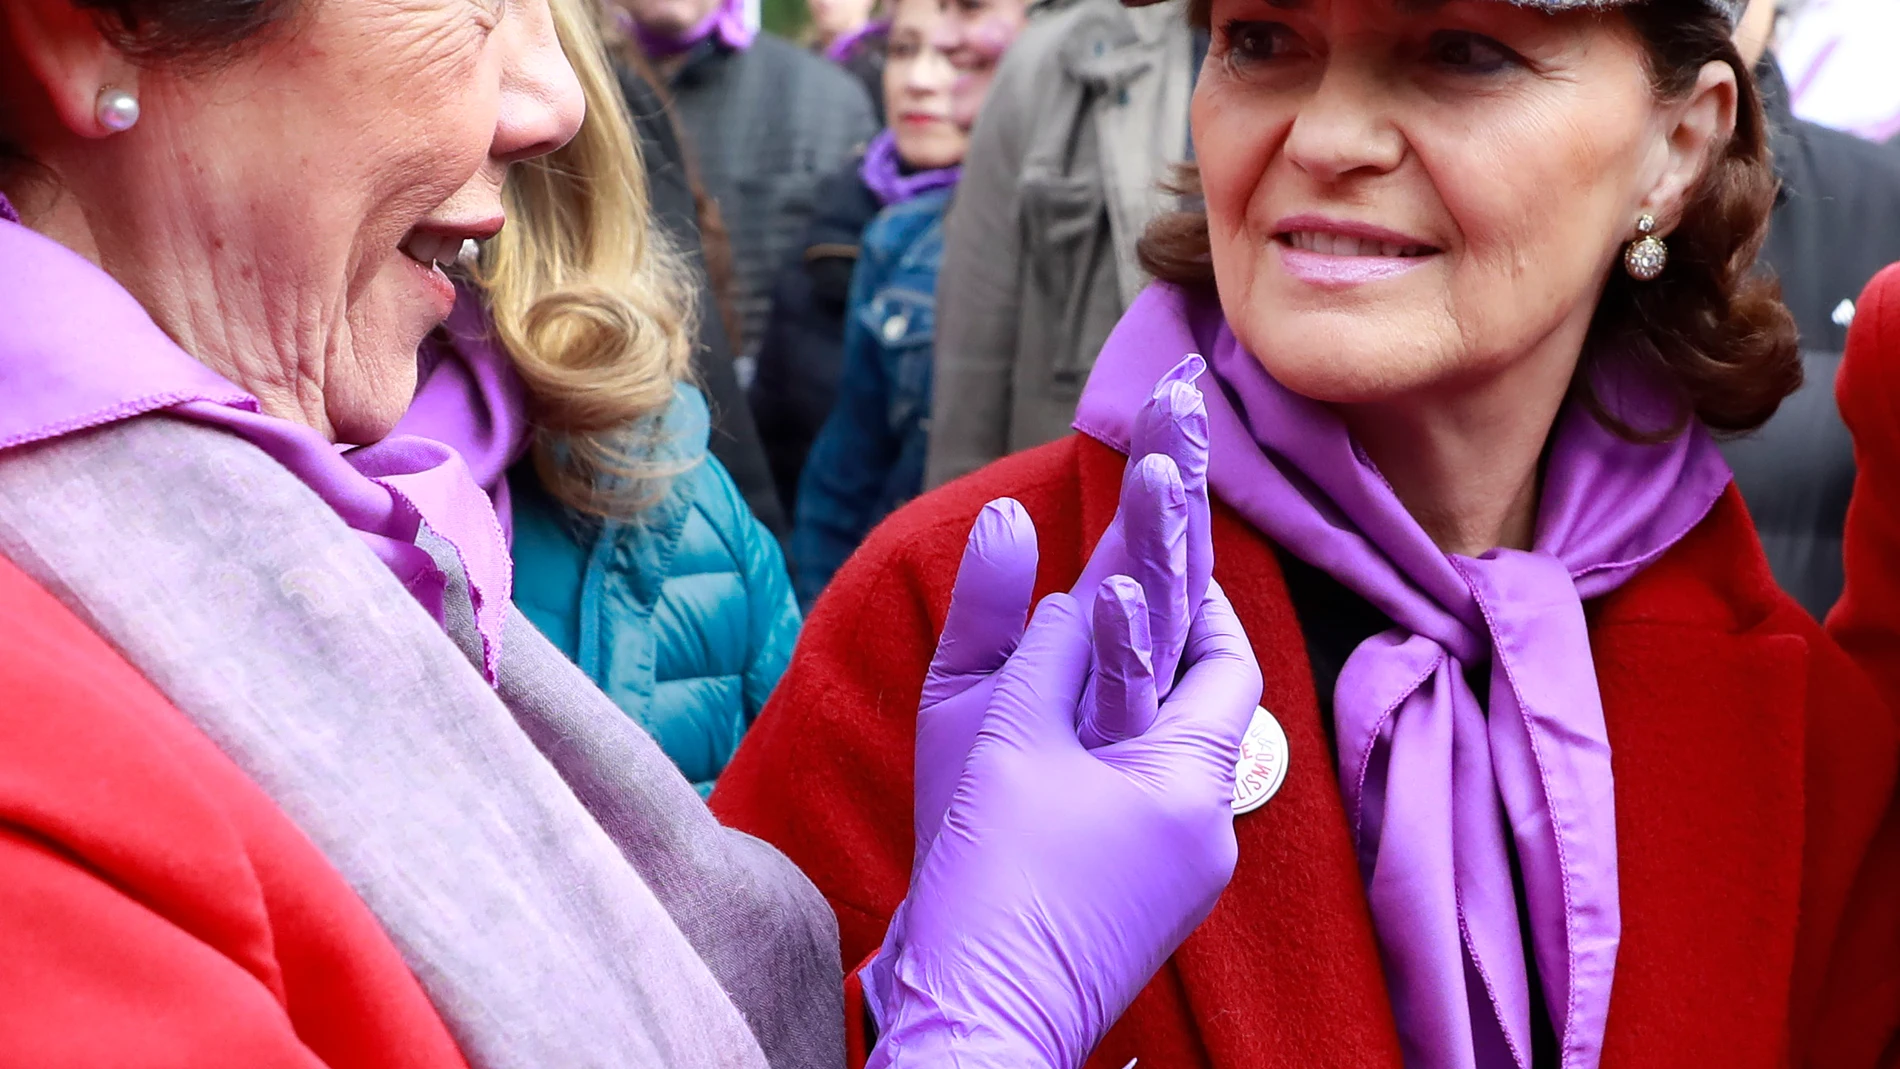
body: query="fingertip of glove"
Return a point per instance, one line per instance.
(1120, 598)
(1159, 474)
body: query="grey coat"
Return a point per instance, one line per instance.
(1087, 117)
(765, 126)
(563, 896)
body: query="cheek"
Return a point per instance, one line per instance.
(1235, 138)
(991, 36)
(423, 91)
(1538, 202)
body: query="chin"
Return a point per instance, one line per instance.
(369, 385)
(1344, 358)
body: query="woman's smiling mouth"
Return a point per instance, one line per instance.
(1336, 253)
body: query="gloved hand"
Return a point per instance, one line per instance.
(1062, 877)
(1161, 536)
(1162, 539)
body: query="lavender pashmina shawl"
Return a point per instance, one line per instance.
(563, 895)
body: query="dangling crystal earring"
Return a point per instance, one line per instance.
(117, 109)
(1646, 256)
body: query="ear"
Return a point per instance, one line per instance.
(1693, 130)
(70, 59)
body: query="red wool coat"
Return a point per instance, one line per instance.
(1753, 766)
(1866, 622)
(156, 908)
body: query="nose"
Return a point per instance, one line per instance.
(541, 100)
(1343, 128)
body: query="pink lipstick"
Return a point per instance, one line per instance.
(1337, 253)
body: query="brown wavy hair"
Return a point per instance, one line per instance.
(1713, 326)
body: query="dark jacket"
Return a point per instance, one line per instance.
(735, 439)
(803, 351)
(865, 62)
(1837, 223)
(765, 125)
(869, 456)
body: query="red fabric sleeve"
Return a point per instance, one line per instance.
(1861, 1024)
(156, 907)
(1866, 621)
(91, 977)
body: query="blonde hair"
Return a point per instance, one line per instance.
(591, 302)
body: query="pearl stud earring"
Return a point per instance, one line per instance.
(117, 109)
(1647, 256)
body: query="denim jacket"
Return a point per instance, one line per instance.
(869, 457)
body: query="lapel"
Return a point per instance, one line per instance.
(1706, 704)
(1705, 709)
(1285, 972)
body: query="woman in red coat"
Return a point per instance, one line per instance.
(1567, 780)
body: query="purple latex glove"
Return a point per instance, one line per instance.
(1062, 877)
(1164, 541)
(1161, 536)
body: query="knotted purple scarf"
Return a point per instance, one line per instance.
(883, 172)
(1432, 783)
(90, 355)
(735, 23)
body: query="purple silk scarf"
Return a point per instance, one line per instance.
(472, 400)
(883, 172)
(1431, 783)
(735, 23)
(77, 351)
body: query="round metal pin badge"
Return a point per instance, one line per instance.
(1263, 759)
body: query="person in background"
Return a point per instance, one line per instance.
(868, 457)
(802, 354)
(1086, 122)
(692, 223)
(836, 23)
(1839, 58)
(634, 552)
(765, 121)
(1836, 222)
(1561, 776)
(862, 53)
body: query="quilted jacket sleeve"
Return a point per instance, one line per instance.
(772, 617)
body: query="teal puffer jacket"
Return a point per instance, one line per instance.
(684, 614)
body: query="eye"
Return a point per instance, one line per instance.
(901, 50)
(1248, 44)
(1464, 52)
